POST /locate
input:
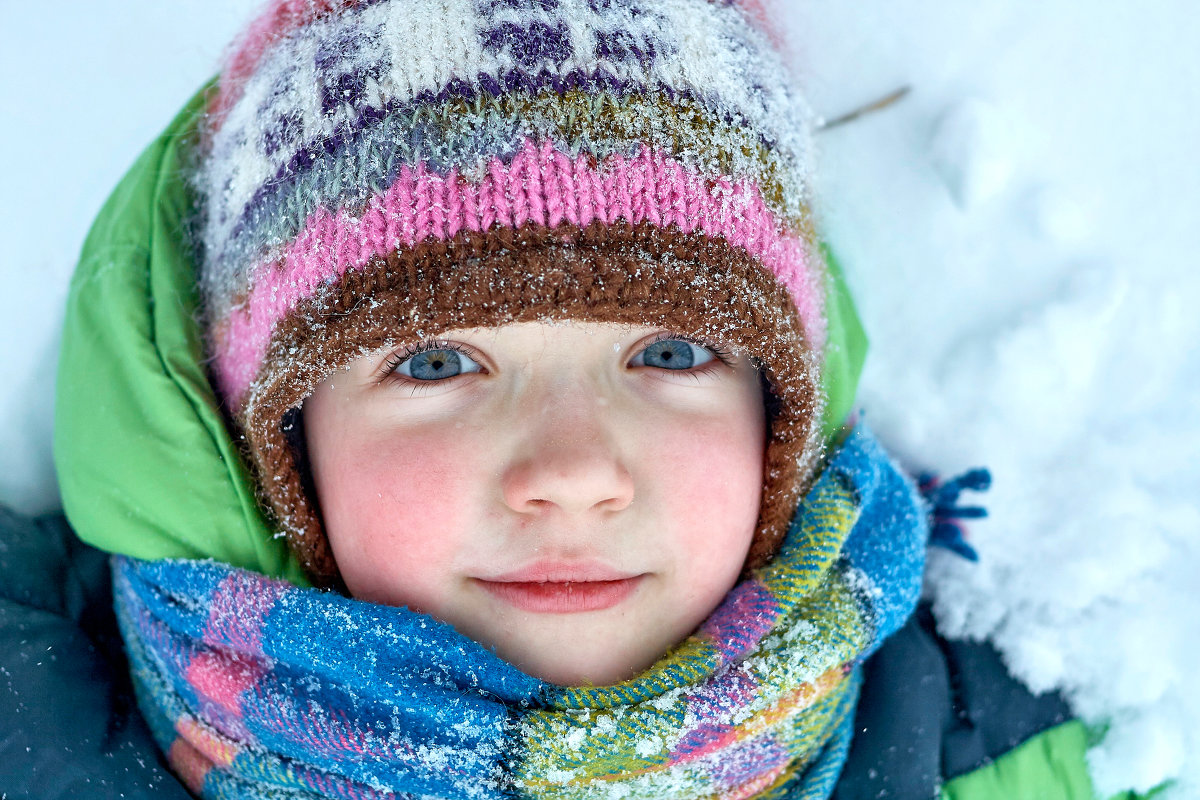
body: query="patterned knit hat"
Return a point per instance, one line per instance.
(377, 172)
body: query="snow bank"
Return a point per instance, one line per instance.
(1021, 235)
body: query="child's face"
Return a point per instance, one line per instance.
(579, 496)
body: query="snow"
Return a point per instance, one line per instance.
(972, 151)
(1020, 232)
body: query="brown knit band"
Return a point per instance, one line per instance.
(619, 273)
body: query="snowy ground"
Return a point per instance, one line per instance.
(1021, 233)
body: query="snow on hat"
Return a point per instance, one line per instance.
(379, 172)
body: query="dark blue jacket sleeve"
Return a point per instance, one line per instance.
(69, 727)
(933, 709)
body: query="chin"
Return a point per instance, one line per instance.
(567, 664)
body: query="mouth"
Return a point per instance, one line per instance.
(561, 597)
(561, 588)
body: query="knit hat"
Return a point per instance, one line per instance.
(378, 172)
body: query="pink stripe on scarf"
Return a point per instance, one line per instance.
(223, 678)
(239, 610)
(234, 630)
(540, 185)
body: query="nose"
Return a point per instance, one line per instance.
(567, 460)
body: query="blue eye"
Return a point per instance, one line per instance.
(675, 354)
(436, 364)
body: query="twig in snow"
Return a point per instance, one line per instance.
(877, 105)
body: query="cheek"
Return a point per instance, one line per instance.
(712, 484)
(396, 510)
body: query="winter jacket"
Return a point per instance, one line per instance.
(148, 468)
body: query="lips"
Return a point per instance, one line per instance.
(556, 588)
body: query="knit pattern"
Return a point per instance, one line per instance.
(343, 130)
(478, 129)
(256, 688)
(541, 186)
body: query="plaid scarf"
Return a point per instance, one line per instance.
(256, 688)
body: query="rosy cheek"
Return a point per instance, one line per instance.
(712, 499)
(397, 516)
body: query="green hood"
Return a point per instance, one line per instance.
(145, 461)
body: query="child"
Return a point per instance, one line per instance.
(517, 312)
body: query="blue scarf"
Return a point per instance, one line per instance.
(256, 688)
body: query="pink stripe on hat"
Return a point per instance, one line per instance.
(539, 185)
